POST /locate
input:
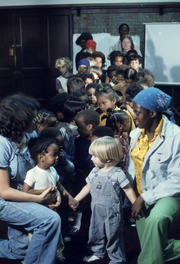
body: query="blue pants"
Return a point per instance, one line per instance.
(24, 217)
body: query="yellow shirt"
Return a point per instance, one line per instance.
(139, 152)
(104, 114)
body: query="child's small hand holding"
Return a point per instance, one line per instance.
(73, 203)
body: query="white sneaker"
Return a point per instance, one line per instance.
(90, 258)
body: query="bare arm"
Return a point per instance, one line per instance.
(28, 189)
(63, 191)
(72, 202)
(130, 193)
(8, 193)
(83, 193)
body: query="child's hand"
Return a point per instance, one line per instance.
(56, 204)
(73, 203)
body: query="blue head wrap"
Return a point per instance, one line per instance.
(153, 99)
(83, 62)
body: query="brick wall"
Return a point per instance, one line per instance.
(108, 21)
(98, 20)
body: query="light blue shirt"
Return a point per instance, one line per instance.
(161, 167)
(17, 163)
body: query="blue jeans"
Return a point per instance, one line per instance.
(25, 217)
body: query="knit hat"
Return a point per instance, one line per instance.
(153, 99)
(83, 62)
(90, 44)
(84, 36)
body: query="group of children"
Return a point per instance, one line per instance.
(81, 145)
(64, 156)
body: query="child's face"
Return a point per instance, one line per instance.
(83, 129)
(98, 62)
(104, 103)
(51, 157)
(118, 61)
(97, 162)
(91, 96)
(82, 69)
(119, 78)
(135, 64)
(62, 68)
(112, 76)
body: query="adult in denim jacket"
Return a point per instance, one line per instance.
(154, 166)
(22, 211)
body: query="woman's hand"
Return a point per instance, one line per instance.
(136, 210)
(49, 196)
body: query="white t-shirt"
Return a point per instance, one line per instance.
(39, 179)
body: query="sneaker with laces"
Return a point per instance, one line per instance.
(90, 258)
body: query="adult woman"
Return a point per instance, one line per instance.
(154, 165)
(19, 210)
(127, 44)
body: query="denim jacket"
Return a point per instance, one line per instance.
(161, 167)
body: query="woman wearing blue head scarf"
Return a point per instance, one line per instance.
(154, 164)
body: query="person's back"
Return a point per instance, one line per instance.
(69, 130)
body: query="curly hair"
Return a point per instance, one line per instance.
(90, 116)
(16, 114)
(39, 145)
(44, 116)
(115, 117)
(104, 90)
(67, 62)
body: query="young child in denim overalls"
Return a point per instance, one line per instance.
(105, 183)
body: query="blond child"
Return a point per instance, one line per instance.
(105, 184)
